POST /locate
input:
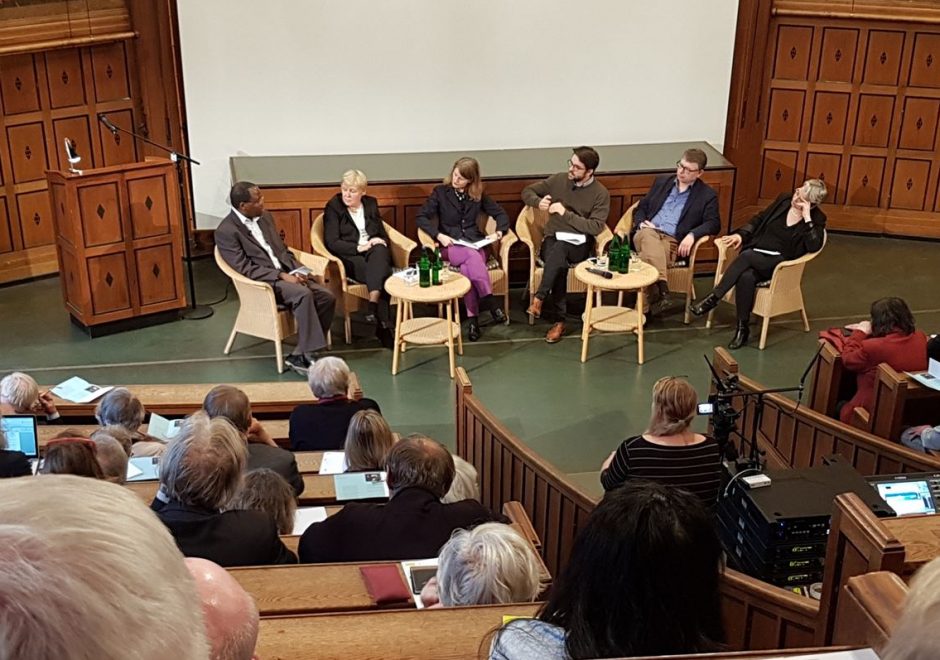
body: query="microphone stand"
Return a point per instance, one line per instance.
(194, 311)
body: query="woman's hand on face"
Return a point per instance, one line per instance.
(445, 240)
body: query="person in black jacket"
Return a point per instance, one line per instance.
(457, 205)
(200, 473)
(677, 211)
(787, 229)
(354, 231)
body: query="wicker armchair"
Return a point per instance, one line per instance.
(781, 294)
(680, 274)
(499, 277)
(530, 226)
(259, 315)
(350, 293)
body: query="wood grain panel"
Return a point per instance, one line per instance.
(919, 123)
(64, 78)
(883, 57)
(155, 278)
(18, 85)
(6, 234)
(793, 46)
(107, 276)
(925, 62)
(78, 130)
(72, 282)
(109, 71)
(287, 223)
(67, 231)
(785, 117)
(909, 187)
(147, 200)
(118, 149)
(100, 210)
(36, 224)
(826, 167)
(778, 173)
(863, 187)
(28, 151)
(830, 113)
(837, 56)
(873, 126)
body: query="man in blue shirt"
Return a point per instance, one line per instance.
(677, 211)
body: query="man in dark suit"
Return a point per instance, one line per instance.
(413, 525)
(232, 404)
(677, 211)
(249, 243)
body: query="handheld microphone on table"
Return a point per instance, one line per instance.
(606, 274)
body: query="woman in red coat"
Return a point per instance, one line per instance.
(889, 337)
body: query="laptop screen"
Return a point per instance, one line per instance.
(908, 498)
(21, 434)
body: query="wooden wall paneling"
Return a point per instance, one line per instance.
(883, 57)
(27, 144)
(72, 276)
(825, 166)
(910, 181)
(18, 85)
(35, 214)
(287, 223)
(64, 78)
(919, 123)
(69, 231)
(829, 117)
(873, 124)
(863, 187)
(785, 118)
(109, 72)
(154, 269)
(778, 172)
(101, 214)
(793, 52)
(6, 236)
(925, 62)
(118, 149)
(79, 131)
(109, 281)
(837, 54)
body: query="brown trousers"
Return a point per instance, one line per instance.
(658, 250)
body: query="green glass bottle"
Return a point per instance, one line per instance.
(623, 266)
(424, 270)
(436, 267)
(613, 255)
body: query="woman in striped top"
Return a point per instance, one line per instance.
(668, 452)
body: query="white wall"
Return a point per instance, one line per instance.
(365, 76)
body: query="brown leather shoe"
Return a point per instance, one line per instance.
(555, 333)
(535, 308)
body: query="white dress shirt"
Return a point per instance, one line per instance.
(258, 235)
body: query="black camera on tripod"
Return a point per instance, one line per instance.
(724, 416)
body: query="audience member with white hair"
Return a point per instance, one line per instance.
(322, 426)
(20, 395)
(111, 457)
(488, 564)
(88, 572)
(466, 485)
(915, 634)
(120, 407)
(12, 463)
(199, 475)
(229, 613)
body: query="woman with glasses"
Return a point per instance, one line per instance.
(787, 229)
(668, 452)
(457, 205)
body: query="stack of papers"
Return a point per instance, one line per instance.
(334, 462)
(474, 244)
(570, 237)
(929, 378)
(306, 516)
(79, 390)
(360, 486)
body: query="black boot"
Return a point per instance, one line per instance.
(741, 334)
(383, 332)
(474, 332)
(705, 305)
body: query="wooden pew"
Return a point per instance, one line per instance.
(435, 634)
(899, 402)
(869, 610)
(795, 436)
(278, 398)
(318, 490)
(830, 383)
(756, 615)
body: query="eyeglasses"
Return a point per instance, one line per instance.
(683, 168)
(575, 166)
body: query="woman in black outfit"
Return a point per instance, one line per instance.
(787, 229)
(354, 232)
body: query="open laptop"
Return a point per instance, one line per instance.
(22, 435)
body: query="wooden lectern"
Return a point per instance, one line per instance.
(119, 244)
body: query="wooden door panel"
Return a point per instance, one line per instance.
(287, 223)
(883, 57)
(71, 277)
(778, 173)
(18, 85)
(791, 61)
(109, 69)
(146, 198)
(119, 148)
(155, 276)
(64, 78)
(830, 113)
(837, 56)
(863, 187)
(6, 235)
(28, 152)
(107, 277)
(99, 207)
(873, 124)
(78, 130)
(825, 167)
(919, 124)
(68, 231)
(925, 63)
(36, 223)
(785, 118)
(909, 184)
